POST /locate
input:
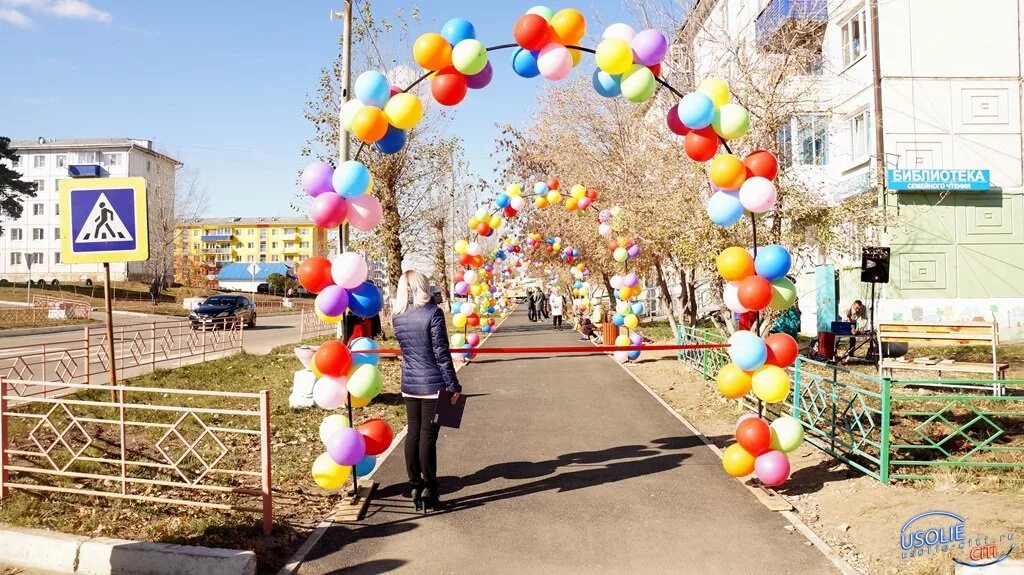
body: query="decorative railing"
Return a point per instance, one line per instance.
(890, 429)
(778, 12)
(162, 445)
(310, 325)
(76, 309)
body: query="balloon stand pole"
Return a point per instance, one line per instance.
(352, 424)
(757, 320)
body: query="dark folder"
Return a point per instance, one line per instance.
(446, 414)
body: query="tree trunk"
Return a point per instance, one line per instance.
(440, 262)
(608, 286)
(684, 293)
(389, 236)
(666, 295)
(691, 296)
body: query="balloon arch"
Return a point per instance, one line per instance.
(628, 65)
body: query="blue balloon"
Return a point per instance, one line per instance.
(696, 110)
(524, 62)
(373, 88)
(361, 344)
(606, 84)
(724, 208)
(772, 262)
(634, 355)
(490, 309)
(618, 320)
(457, 30)
(365, 465)
(486, 329)
(540, 188)
(747, 351)
(351, 179)
(637, 308)
(365, 300)
(392, 142)
(503, 200)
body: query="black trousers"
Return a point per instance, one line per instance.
(533, 314)
(421, 443)
(558, 321)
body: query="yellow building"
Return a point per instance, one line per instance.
(207, 244)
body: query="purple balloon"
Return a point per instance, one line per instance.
(649, 47)
(346, 446)
(636, 339)
(481, 79)
(630, 279)
(633, 251)
(604, 216)
(462, 288)
(316, 178)
(332, 300)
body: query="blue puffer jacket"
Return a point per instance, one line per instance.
(427, 365)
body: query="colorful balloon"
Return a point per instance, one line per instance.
(348, 269)
(732, 381)
(772, 468)
(432, 51)
(346, 446)
(372, 88)
(754, 292)
(392, 142)
(332, 300)
(758, 195)
(316, 178)
(481, 79)
(787, 434)
(675, 125)
(727, 172)
(649, 47)
(621, 31)
(458, 29)
(754, 436)
(701, 144)
(782, 350)
(554, 61)
(365, 300)
(761, 163)
(329, 475)
(360, 344)
(448, 87)
(736, 461)
(568, 26)
(524, 63)
(770, 383)
(747, 351)
(715, 89)
(696, 110)
(366, 465)
(783, 294)
(638, 84)
(332, 358)
(531, 32)
(314, 274)
(607, 85)
(369, 124)
(469, 57)
(351, 179)
(332, 423)
(328, 210)
(735, 264)
(328, 392)
(614, 56)
(772, 262)
(365, 382)
(404, 111)
(731, 121)
(724, 208)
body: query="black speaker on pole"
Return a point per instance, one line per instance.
(874, 265)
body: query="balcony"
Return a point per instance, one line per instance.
(784, 22)
(225, 251)
(216, 238)
(291, 248)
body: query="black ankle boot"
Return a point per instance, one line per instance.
(417, 498)
(430, 499)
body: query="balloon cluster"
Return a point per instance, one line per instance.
(628, 62)
(761, 448)
(544, 37)
(549, 194)
(341, 194)
(380, 114)
(706, 117)
(473, 283)
(344, 372)
(626, 287)
(458, 60)
(754, 283)
(340, 284)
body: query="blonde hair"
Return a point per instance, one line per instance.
(413, 291)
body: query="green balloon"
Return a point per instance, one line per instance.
(731, 121)
(365, 382)
(638, 84)
(787, 434)
(783, 294)
(469, 57)
(542, 11)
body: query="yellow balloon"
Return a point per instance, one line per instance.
(631, 321)
(625, 292)
(316, 372)
(326, 318)
(357, 401)
(716, 89)
(614, 56)
(569, 26)
(461, 247)
(459, 320)
(432, 51)
(735, 264)
(475, 289)
(495, 221)
(571, 204)
(473, 223)
(737, 461)
(576, 56)
(622, 341)
(770, 383)
(328, 474)
(404, 110)
(554, 197)
(578, 191)
(732, 381)
(514, 190)
(541, 202)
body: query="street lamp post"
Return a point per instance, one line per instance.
(28, 262)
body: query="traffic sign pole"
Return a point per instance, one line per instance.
(108, 304)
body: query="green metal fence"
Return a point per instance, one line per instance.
(890, 429)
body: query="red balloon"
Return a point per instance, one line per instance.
(333, 358)
(465, 260)
(459, 276)
(755, 293)
(592, 194)
(761, 163)
(448, 86)
(656, 70)
(701, 145)
(510, 212)
(473, 319)
(553, 184)
(478, 261)
(483, 228)
(782, 349)
(314, 274)
(377, 434)
(674, 123)
(532, 32)
(754, 435)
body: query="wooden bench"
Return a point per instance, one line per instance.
(942, 334)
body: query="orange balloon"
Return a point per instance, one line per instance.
(369, 124)
(332, 358)
(735, 264)
(432, 51)
(727, 172)
(732, 381)
(754, 293)
(569, 26)
(314, 274)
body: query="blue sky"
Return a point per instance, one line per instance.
(221, 84)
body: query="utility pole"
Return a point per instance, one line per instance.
(876, 81)
(451, 248)
(346, 74)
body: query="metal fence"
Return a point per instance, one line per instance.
(890, 429)
(76, 309)
(138, 348)
(277, 305)
(160, 445)
(310, 325)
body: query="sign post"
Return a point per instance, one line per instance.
(254, 269)
(105, 220)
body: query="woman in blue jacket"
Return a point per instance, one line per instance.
(427, 368)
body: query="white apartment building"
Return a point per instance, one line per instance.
(949, 78)
(35, 237)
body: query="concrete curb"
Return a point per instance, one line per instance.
(74, 554)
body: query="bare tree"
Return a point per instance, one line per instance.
(175, 195)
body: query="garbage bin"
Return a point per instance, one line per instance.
(826, 344)
(610, 331)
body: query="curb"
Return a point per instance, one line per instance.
(46, 330)
(75, 554)
(793, 519)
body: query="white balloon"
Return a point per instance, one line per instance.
(329, 392)
(470, 276)
(517, 203)
(348, 112)
(621, 31)
(331, 424)
(731, 296)
(616, 281)
(605, 230)
(349, 270)
(758, 195)
(474, 249)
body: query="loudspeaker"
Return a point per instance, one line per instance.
(874, 265)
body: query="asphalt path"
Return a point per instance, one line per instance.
(565, 465)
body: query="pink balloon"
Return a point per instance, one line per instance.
(329, 210)
(473, 339)
(584, 203)
(554, 61)
(772, 468)
(364, 212)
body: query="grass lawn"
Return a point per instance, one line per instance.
(299, 505)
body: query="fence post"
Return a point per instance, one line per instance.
(3, 438)
(302, 323)
(265, 484)
(152, 346)
(834, 402)
(796, 388)
(88, 356)
(883, 472)
(679, 341)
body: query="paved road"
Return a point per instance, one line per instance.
(566, 465)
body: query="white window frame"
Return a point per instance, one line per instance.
(860, 150)
(37, 258)
(38, 209)
(56, 257)
(87, 158)
(36, 237)
(56, 233)
(62, 160)
(17, 234)
(40, 185)
(15, 258)
(846, 37)
(56, 208)
(112, 159)
(38, 161)
(799, 127)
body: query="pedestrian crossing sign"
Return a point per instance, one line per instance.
(103, 220)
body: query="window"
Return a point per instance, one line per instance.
(112, 159)
(62, 160)
(273, 245)
(250, 245)
(854, 35)
(56, 209)
(38, 161)
(56, 257)
(263, 259)
(37, 209)
(263, 233)
(275, 231)
(149, 166)
(15, 258)
(811, 140)
(35, 258)
(304, 245)
(249, 259)
(860, 135)
(275, 258)
(16, 234)
(38, 234)
(87, 158)
(56, 233)
(263, 246)
(304, 231)
(40, 185)
(252, 232)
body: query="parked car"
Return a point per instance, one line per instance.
(263, 288)
(223, 311)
